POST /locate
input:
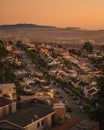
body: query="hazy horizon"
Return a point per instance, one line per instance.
(70, 27)
(64, 36)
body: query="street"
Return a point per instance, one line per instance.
(76, 112)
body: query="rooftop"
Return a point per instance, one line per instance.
(84, 124)
(26, 115)
(77, 124)
(6, 124)
(4, 101)
(10, 85)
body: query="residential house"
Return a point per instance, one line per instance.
(6, 107)
(89, 92)
(9, 48)
(82, 84)
(46, 92)
(9, 90)
(59, 109)
(43, 98)
(32, 116)
(18, 62)
(70, 58)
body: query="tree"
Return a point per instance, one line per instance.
(100, 109)
(1, 44)
(73, 51)
(10, 42)
(88, 47)
(101, 48)
(59, 46)
(3, 51)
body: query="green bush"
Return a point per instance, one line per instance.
(77, 92)
(89, 107)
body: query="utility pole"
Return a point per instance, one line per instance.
(3, 72)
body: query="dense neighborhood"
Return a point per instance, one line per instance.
(50, 86)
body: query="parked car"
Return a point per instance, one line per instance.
(69, 109)
(74, 98)
(78, 102)
(71, 94)
(82, 108)
(66, 103)
(67, 92)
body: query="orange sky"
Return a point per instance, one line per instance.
(62, 13)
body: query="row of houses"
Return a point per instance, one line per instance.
(32, 112)
(28, 115)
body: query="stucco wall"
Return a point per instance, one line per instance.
(4, 111)
(13, 107)
(45, 126)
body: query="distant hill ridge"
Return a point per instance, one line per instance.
(24, 25)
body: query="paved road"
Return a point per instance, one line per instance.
(75, 108)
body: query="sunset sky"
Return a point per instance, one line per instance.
(87, 14)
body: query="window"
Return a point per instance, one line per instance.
(14, 89)
(42, 122)
(38, 125)
(1, 91)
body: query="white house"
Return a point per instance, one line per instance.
(89, 92)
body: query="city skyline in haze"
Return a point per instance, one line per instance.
(87, 14)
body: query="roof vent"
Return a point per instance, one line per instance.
(32, 120)
(36, 116)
